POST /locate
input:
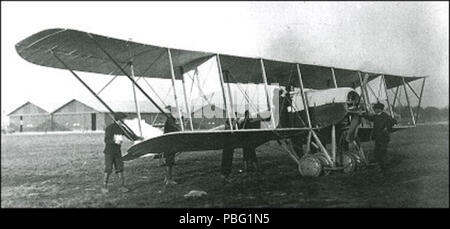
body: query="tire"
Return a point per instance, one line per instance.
(310, 166)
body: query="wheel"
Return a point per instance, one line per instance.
(348, 162)
(358, 161)
(324, 162)
(310, 166)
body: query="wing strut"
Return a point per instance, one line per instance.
(223, 91)
(333, 127)
(269, 106)
(231, 99)
(409, 104)
(412, 89)
(387, 97)
(136, 103)
(364, 93)
(311, 133)
(188, 110)
(130, 134)
(395, 97)
(334, 78)
(304, 100)
(420, 99)
(127, 75)
(172, 72)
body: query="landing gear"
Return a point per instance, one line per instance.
(318, 163)
(345, 157)
(310, 166)
(353, 157)
(314, 165)
(324, 162)
(348, 163)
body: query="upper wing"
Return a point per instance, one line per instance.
(79, 51)
(209, 140)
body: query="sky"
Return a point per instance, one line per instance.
(404, 38)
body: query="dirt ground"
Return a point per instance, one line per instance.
(65, 170)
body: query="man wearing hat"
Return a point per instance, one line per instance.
(382, 126)
(114, 135)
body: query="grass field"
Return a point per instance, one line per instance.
(65, 170)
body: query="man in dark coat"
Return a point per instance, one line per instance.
(285, 101)
(250, 160)
(114, 134)
(382, 126)
(170, 126)
(227, 156)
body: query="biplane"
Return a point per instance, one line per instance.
(320, 99)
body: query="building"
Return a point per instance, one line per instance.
(212, 115)
(81, 116)
(76, 116)
(29, 117)
(208, 116)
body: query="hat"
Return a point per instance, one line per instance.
(119, 116)
(378, 106)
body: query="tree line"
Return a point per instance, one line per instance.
(427, 114)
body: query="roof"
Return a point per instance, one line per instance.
(117, 106)
(217, 106)
(239, 108)
(83, 52)
(130, 107)
(65, 108)
(28, 108)
(215, 98)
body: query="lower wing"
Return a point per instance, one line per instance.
(210, 140)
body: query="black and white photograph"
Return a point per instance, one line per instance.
(231, 105)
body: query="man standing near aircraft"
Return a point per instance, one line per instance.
(285, 103)
(382, 126)
(170, 126)
(250, 160)
(113, 156)
(227, 157)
